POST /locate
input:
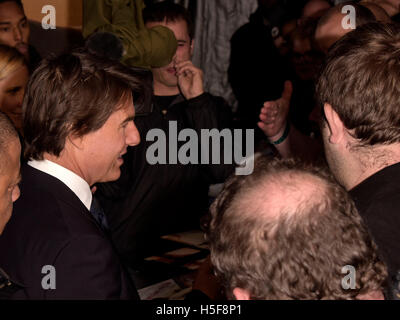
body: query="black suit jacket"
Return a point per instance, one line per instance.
(51, 226)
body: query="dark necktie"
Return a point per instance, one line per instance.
(98, 214)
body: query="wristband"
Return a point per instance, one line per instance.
(284, 135)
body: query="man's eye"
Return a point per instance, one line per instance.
(5, 29)
(24, 24)
(14, 91)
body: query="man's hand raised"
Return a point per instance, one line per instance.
(274, 114)
(190, 79)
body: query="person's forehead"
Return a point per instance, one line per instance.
(19, 75)
(128, 107)
(10, 11)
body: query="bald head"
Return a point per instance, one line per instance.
(8, 134)
(289, 223)
(379, 13)
(315, 8)
(283, 194)
(330, 27)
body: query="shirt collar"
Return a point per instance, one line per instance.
(74, 182)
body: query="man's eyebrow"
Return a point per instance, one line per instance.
(16, 88)
(131, 118)
(5, 23)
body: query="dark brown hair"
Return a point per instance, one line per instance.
(170, 12)
(361, 80)
(18, 2)
(75, 94)
(298, 253)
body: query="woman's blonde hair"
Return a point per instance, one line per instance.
(10, 60)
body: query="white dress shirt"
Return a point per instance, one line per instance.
(74, 182)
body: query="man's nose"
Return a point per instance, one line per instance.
(17, 34)
(175, 58)
(132, 135)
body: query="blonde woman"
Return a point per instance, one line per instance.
(14, 75)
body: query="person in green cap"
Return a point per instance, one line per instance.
(122, 19)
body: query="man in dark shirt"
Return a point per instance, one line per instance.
(153, 199)
(358, 90)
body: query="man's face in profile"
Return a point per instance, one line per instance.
(9, 179)
(14, 27)
(99, 153)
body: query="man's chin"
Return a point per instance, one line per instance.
(112, 176)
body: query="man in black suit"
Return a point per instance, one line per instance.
(78, 122)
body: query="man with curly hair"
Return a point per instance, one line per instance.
(289, 231)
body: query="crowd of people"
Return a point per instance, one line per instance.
(81, 206)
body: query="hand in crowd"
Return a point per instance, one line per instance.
(274, 114)
(190, 79)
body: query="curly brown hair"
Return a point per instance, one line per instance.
(299, 252)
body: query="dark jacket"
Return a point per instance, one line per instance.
(8, 287)
(51, 227)
(150, 200)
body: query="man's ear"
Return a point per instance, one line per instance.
(373, 295)
(335, 125)
(241, 294)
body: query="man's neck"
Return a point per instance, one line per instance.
(372, 161)
(160, 90)
(65, 161)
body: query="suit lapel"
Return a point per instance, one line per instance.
(58, 189)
